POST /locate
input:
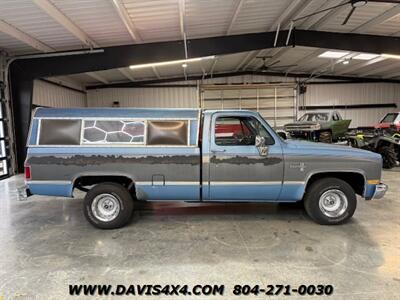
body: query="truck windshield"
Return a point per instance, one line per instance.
(315, 117)
(389, 118)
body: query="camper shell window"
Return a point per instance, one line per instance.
(113, 132)
(60, 132)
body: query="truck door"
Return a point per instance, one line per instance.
(237, 170)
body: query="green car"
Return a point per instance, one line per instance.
(323, 127)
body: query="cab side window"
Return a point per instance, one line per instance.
(335, 117)
(239, 131)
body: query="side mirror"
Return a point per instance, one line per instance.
(282, 134)
(261, 147)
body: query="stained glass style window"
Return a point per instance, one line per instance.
(113, 132)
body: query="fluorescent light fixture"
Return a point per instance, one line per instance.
(365, 56)
(184, 65)
(346, 62)
(390, 56)
(333, 54)
(171, 62)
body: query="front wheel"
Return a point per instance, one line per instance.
(388, 156)
(325, 137)
(108, 206)
(330, 201)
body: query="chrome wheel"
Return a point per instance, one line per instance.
(106, 207)
(333, 203)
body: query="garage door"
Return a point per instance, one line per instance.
(276, 103)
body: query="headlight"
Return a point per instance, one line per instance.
(316, 127)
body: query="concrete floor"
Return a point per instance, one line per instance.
(46, 244)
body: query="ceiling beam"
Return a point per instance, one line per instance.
(23, 37)
(182, 9)
(294, 9)
(344, 79)
(317, 22)
(122, 56)
(329, 15)
(126, 19)
(378, 19)
(97, 77)
(62, 19)
(238, 7)
(156, 72)
(127, 73)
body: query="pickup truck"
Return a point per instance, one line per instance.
(324, 127)
(121, 156)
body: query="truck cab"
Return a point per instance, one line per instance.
(122, 156)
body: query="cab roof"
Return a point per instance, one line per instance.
(162, 113)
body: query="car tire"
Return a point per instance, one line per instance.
(388, 156)
(330, 201)
(108, 205)
(325, 137)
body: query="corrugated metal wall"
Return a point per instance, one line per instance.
(144, 97)
(348, 94)
(319, 94)
(51, 95)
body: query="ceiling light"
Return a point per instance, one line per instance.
(184, 65)
(333, 54)
(365, 56)
(346, 62)
(390, 56)
(171, 62)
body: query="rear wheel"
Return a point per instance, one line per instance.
(108, 206)
(325, 137)
(388, 156)
(330, 201)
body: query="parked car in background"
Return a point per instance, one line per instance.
(121, 156)
(379, 140)
(390, 121)
(323, 127)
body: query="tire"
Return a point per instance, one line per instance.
(325, 137)
(108, 206)
(317, 201)
(388, 156)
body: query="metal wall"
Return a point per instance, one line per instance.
(316, 95)
(183, 97)
(360, 93)
(51, 95)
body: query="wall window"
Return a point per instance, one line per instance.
(239, 131)
(60, 132)
(110, 131)
(167, 133)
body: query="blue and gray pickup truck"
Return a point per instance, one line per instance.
(122, 156)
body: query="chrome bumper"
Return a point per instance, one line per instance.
(380, 190)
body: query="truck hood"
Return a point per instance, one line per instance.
(311, 148)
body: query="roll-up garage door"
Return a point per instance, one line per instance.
(276, 103)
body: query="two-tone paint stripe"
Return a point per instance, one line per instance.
(181, 182)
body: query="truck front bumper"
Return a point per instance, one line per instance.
(380, 190)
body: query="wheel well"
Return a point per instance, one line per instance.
(384, 143)
(355, 180)
(85, 181)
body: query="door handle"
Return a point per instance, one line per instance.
(218, 151)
